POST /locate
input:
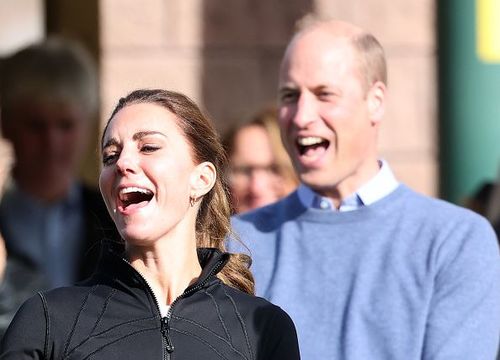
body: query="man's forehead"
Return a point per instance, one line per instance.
(336, 56)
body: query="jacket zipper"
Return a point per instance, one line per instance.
(165, 321)
(165, 330)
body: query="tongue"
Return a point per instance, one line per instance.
(132, 206)
(314, 150)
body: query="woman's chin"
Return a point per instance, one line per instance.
(134, 236)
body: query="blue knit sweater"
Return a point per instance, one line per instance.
(408, 277)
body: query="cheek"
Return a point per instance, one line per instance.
(285, 114)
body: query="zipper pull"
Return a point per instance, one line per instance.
(165, 329)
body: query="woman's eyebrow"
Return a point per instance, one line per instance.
(110, 142)
(139, 135)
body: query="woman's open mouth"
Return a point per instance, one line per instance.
(133, 196)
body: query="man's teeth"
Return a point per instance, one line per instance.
(310, 140)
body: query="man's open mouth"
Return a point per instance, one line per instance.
(309, 145)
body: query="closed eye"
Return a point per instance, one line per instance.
(327, 93)
(289, 96)
(109, 159)
(148, 148)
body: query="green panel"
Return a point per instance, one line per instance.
(469, 101)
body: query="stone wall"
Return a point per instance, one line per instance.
(226, 54)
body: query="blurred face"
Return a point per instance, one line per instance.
(328, 119)
(255, 180)
(147, 174)
(49, 140)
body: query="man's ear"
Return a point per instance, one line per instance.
(376, 102)
(203, 179)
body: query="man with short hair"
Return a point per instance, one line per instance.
(366, 267)
(48, 217)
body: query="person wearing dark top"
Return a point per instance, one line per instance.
(173, 293)
(51, 222)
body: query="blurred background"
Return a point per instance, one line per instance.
(442, 127)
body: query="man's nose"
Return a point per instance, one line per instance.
(305, 111)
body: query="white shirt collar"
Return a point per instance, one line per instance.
(381, 185)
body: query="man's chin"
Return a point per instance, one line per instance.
(319, 184)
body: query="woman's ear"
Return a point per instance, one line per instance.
(203, 179)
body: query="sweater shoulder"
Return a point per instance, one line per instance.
(271, 217)
(439, 211)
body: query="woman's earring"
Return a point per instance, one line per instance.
(192, 200)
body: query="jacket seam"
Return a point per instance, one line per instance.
(110, 329)
(209, 331)
(73, 328)
(47, 325)
(242, 323)
(114, 341)
(219, 315)
(195, 336)
(104, 308)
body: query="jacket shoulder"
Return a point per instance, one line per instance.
(27, 334)
(268, 326)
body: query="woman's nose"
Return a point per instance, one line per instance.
(126, 164)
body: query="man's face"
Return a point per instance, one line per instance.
(326, 113)
(49, 140)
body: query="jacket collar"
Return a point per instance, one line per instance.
(113, 263)
(212, 261)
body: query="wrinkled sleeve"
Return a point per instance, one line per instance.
(464, 314)
(281, 338)
(26, 336)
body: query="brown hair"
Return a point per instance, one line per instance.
(213, 219)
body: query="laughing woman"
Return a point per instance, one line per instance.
(173, 293)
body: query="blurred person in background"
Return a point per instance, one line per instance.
(49, 99)
(486, 201)
(493, 208)
(19, 279)
(260, 170)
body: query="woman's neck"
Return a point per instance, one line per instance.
(168, 267)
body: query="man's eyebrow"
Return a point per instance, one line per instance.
(287, 88)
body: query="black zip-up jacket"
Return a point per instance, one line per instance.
(114, 315)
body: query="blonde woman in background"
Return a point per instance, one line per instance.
(261, 171)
